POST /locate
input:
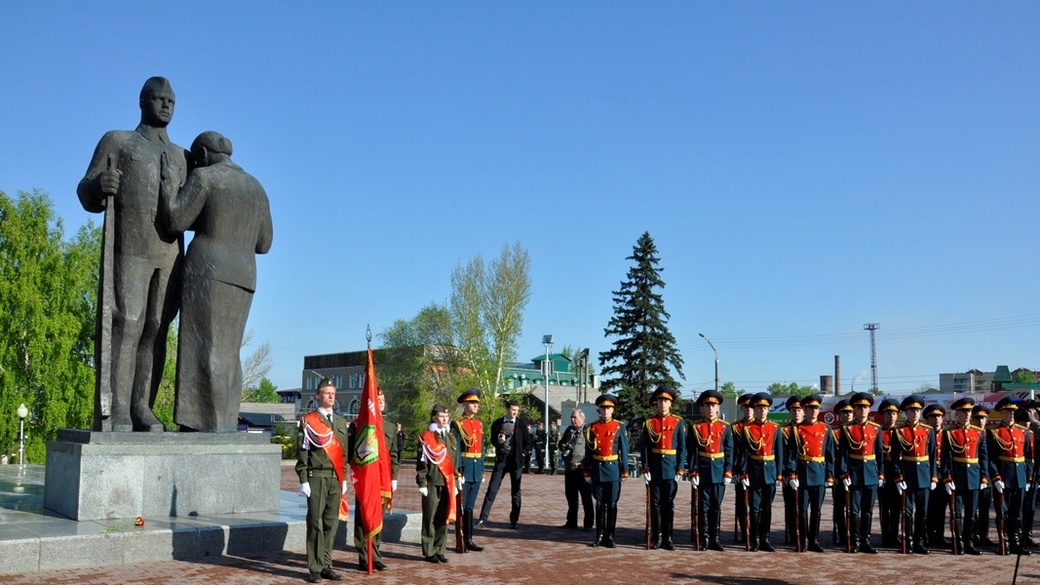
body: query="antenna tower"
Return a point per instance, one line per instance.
(872, 327)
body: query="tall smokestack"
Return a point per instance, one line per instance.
(837, 375)
(826, 385)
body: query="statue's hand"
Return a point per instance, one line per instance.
(108, 180)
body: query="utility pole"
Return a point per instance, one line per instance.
(872, 327)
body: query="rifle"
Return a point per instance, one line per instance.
(747, 527)
(695, 517)
(460, 537)
(797, 522)
(902, 523)
(1001, 536)
(648, 537)
(954, 534)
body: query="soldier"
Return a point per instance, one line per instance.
(1028, 416)
(859, 467)
(937, 502)
(1010, 449)
(438, 483)
(965, 471)
(889, 498)
(794, 407)
(662, 449)
(605, 465)
(759, 463)
(810, 470)
(738, 432)
(979, 418)
(839, 495)
(916, 471)
(710, 466)
(469, 434)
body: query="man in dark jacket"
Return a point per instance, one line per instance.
(512, 441)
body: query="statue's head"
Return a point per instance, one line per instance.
(209, 142)
(157, 100)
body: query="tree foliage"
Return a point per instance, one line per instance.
(48, 295)
(643, 353)
(792, 389)
(264, 392)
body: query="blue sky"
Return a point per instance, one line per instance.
(804, 168)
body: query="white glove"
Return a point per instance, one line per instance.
(881, 483)
(999, 484)
(793, 483)
(305, 489)
(983, 486)
(344, 490)
(950, 487)
(678, 478)
(393, 485)
(779, 483)
(828, 484)
(745, 482)
(726, 480)
(901, 487)
(424, 491)
(932, 486)
(846, 482)
(460, 482)
(646, 477)
(695, 480)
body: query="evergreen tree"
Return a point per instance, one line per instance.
(643, 350)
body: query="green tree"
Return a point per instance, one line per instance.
(644, 352)
(729, 390)
(164, 398)
(1023, 376)
(48, 295)
(792, 389)
(265, 391)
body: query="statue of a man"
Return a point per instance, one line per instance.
(144, 257)
(230, 216)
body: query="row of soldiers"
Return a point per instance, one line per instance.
(916, 468)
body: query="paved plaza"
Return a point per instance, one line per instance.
(540, 552)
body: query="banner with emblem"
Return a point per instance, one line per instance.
(370, 459)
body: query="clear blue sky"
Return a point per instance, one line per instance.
(804, 168)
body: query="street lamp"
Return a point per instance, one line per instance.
(547, 341)
(712, 346)
(22, 413)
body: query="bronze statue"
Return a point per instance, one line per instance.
(140, 285)
(229, 213)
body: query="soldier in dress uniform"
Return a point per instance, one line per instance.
(1027, 415)
(809, 470)
(916, 470)
(1010, 448)
(662, 449)
(738, 432)
(438, 481)
(889, 499)
(469, 435)
(759, 464)
(980, 418)
(606, 464)
(965, 471)
(937, 500)
(710, 466)
(843, 416)
(859, 467)
(794, 407)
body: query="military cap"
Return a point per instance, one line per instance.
(965, 403)
(979, 410)
(812, 401)
(842, 406)
(709, 397)
(663, 392)
(912, 402)
(861, 399)
(326, 383)
(607, 400)
(471, 395)
(743, 399)
(888, 405)
(933, 409)
(1006, 403)
(437, 409)
(793, 402)
(761, 399)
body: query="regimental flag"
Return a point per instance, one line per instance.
(370, 460)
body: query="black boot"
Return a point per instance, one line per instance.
(1014, 537)
(864, 532)
(853, 534)
(739, 534)
(608, 531)
(803, 531)
(920, 524)
(704, 529)
(666, 529)
(655, 529)
(753, 526)
(467, 521)
(814, 532)
(966, 533)
(766, 519)
(601, 520)
(714, 525)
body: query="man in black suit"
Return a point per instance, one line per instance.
(512, 442)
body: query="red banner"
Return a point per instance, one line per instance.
(370, 459)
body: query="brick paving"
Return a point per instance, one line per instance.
(539, 552)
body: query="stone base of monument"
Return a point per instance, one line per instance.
(99, 475)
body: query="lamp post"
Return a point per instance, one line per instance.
(712, 346)
(22, 413)
(547, 341)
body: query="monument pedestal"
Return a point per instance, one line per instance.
(97, 475)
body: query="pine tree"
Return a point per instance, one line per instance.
(644, 349)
